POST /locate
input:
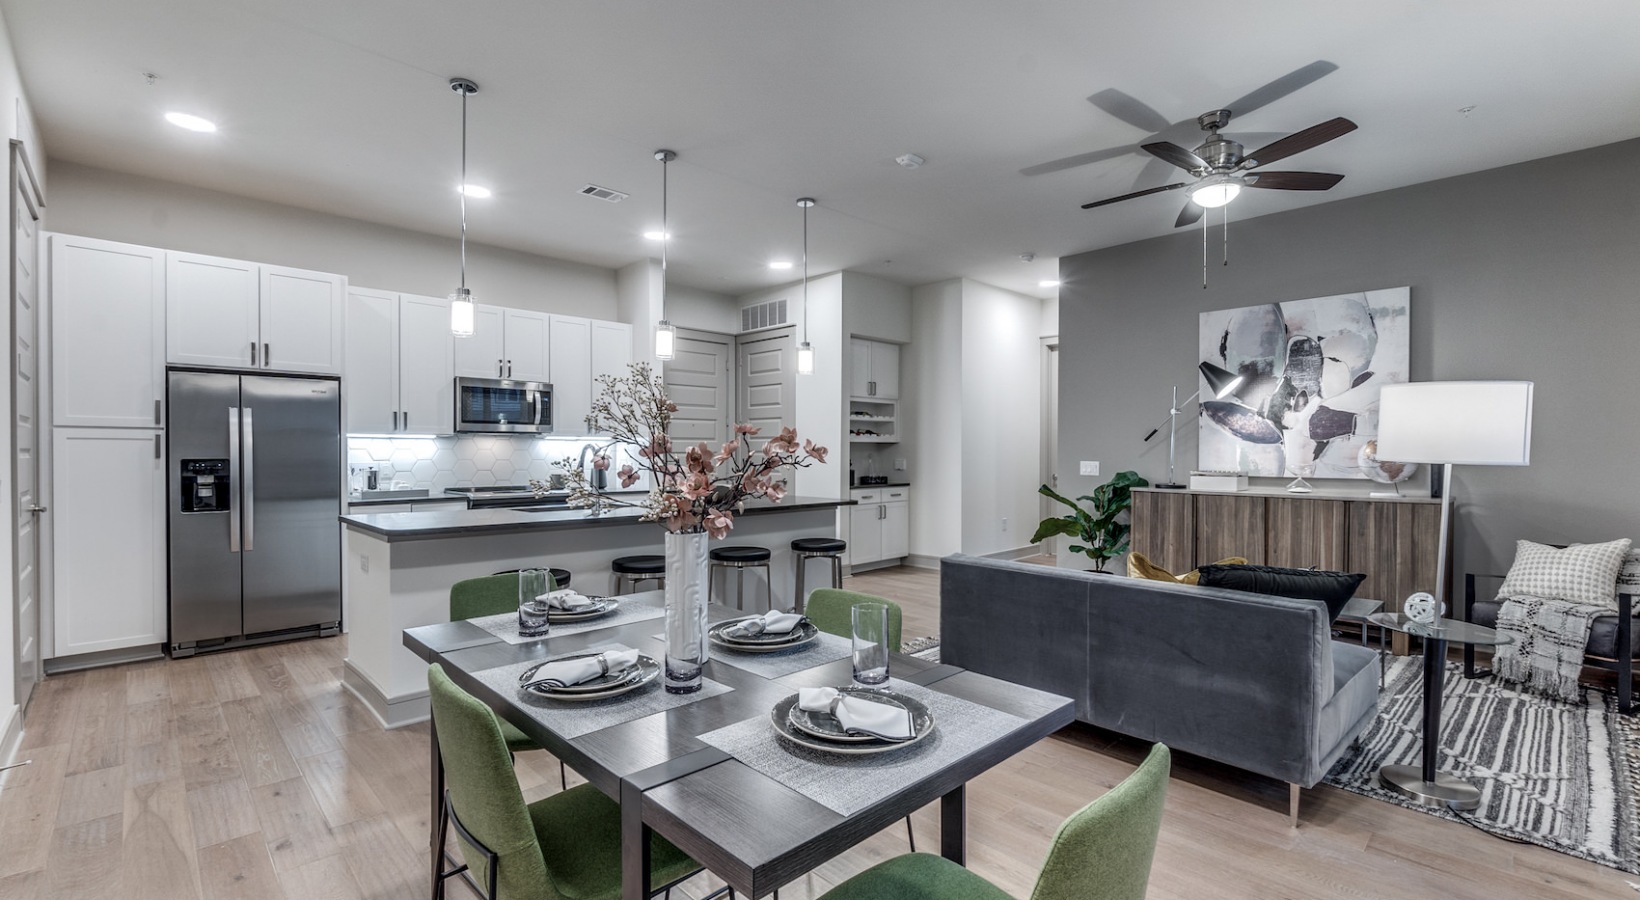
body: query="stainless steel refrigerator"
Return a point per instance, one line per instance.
(255, 490)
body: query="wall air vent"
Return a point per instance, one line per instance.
(769, 314)
(603, 193)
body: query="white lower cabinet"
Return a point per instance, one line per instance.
(108, 534)
(879, 525)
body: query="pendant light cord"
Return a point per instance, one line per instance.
(666, 233)
(463, 191)
(806, 270)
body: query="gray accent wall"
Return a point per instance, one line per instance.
(1526, 272)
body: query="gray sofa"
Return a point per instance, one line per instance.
(1253, 681)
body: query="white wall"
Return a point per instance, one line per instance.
(690, 307)
(875, 308)
(19, 125)
(931, 389)
(1001, 417)
(121, 207)
(1050, 317)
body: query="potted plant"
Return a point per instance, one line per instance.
(1102, 535)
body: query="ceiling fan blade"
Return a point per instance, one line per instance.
(1130, 110)
(1176, 155)
(1080, 159)
(1281, 87)
(1314, 136)
(1190, 215)
(1294, 181)
(1144, 193)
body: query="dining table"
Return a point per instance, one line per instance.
(707, 771)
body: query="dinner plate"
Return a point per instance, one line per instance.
(825, 726)
(804, 633)
(781, 718)
(640, 674)
(602, 606)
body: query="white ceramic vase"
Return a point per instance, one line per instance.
(686, 598)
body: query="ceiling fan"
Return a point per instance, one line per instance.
(1222, 167)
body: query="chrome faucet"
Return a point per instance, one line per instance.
(598, 478)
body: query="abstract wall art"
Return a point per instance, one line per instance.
(1312, 370)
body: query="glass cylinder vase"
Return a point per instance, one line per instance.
(686, 598)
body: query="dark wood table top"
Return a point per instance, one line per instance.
(749, 829)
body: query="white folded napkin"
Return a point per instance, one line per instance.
(773, 622)
(575, 671)
(567, 600)
(856, 713)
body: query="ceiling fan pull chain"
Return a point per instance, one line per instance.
(1226, 208)
(1204, 253)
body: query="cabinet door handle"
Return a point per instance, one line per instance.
(157, 447)
(395, 420)
(156, 413)
(406, 420)
(509, 368)
(254, 363)
(500, 369)
(267, 355)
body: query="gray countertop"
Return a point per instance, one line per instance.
(410, 526)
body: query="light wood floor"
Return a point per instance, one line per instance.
(253, 775)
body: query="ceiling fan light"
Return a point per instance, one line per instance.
(1216, 194)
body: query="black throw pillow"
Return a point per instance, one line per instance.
(1332, 588)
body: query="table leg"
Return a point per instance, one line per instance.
(435, 833)
(1425, 783)
(635, 836)
(954, 825)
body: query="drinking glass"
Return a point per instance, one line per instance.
(532, 604)
(870, 643)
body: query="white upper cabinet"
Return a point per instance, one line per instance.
(212, 316)
(371, 379)
(611, 350)
(427, 390)
(570, 364)
(228, 313)
(526, 345)
(874, 369)
(482, 353)
(108, 333)
(301, 320)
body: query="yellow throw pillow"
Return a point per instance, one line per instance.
(1139, 566)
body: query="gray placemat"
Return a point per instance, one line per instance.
(505, 625)
(571, 719)
(848, 784)
(828, 648)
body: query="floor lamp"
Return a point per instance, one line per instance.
(1222, 383)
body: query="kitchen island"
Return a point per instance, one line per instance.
(399, 568)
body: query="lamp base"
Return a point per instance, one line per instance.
(1169, 486)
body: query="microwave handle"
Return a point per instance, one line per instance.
(535, 400)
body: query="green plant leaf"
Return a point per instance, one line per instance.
(1050, 527)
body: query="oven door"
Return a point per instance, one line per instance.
(494, 405)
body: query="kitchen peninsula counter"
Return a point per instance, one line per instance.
(399, 567)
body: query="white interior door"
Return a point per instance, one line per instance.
(25, 424)
(768, 380)
(697, 380)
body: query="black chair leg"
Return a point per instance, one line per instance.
(1625, 654)
(563, 776)
(910, 836)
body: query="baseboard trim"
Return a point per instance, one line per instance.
(11, 736)
(1016, 553)
(60, 664)
(921, 561)
(407, 710)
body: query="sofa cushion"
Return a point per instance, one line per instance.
(1581, 573)
(1332, 588)
(1140, 566)
(1602, 634)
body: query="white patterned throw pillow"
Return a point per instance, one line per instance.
(1581, 573)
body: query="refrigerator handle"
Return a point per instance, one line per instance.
(247, 478)
(233, 472)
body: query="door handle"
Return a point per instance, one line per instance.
(267, 355)
(509, 368)
(407, 420)
(36, 509)
(233, 472)
(501, 368)
(156, 413)
(157, 454)
(254, 363)
(248, 479)
(395, 420)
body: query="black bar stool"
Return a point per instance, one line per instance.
(560, 577)
(805, 549)
(740, 559)
(631, 571)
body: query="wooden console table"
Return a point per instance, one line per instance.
(1394, 541)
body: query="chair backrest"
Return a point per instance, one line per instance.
(484, 791)
(487, 596)
(1104, 851)
(828, 609)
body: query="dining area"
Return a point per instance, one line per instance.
(804, 735)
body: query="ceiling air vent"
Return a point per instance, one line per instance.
(603, 193)
(764, 315)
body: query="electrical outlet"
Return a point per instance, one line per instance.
(899, 464)
(1004, 524)
(1089, 467)
(364, 563)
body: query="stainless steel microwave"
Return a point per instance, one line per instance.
(503, 406)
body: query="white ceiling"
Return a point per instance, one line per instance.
(344, 107)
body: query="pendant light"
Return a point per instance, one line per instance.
(805, 352)
(461, 302)
(665, 334)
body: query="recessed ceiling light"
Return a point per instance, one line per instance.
(476, 191)
(780, 264)
(655, 235)
(1046, 283)
(192, 123)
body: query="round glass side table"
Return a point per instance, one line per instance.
(1425, 783)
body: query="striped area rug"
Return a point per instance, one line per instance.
(922, 648)
(1555, 774)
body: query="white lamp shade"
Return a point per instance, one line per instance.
(461, 313)
(1469, 423)
(665, 338)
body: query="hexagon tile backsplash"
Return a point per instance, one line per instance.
(442, 462)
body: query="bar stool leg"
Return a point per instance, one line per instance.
(711, 584)
(768, 587)
(740, 589)
(799, 562)
(837, 570)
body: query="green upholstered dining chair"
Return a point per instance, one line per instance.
(1102, 852)
(828, 609)
(493, 595)
(564, 847)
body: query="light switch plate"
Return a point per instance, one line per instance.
(899, 465)
(1089, 467)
